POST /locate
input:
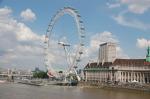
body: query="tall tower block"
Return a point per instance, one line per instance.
(107, 52)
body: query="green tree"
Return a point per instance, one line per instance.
(40, 74)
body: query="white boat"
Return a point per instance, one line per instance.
(2, 81)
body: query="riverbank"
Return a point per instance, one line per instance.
(31, 83)
(126, 87)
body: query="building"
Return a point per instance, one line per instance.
(112, 69)
(107, 52)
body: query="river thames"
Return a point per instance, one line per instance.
(20, 91)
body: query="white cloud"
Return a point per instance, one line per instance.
(121, 53)
(28, 15)
(20, 46)
(24, 33)
(5, 11)
(142, 42)
(133, 6)
(134, 23)
(114, 5)
(137, 6)
(100, 38)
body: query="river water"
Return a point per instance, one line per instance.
(20, 91)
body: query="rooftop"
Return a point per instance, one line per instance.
(120, 62)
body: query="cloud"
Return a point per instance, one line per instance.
(28, 15)
(24, 33)
(114, 5)
(136, 6)
(100, 38)
(20, 46)
(121, 53)
(5, 11)
(142, 42)
(134, 23)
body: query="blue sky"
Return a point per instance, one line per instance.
(125, 21)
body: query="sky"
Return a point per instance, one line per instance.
(23, 24)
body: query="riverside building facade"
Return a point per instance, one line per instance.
(111, 69)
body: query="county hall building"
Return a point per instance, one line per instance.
(112, 69)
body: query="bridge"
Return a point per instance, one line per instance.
(11, 77)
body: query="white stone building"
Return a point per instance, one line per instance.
(117, 70)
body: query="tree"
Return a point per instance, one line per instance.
(40, 74)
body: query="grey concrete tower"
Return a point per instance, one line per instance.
(107, 52)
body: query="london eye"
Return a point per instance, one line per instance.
(60, 47)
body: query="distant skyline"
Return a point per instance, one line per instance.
(23, 24)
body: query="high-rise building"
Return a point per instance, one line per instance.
(107, 52)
